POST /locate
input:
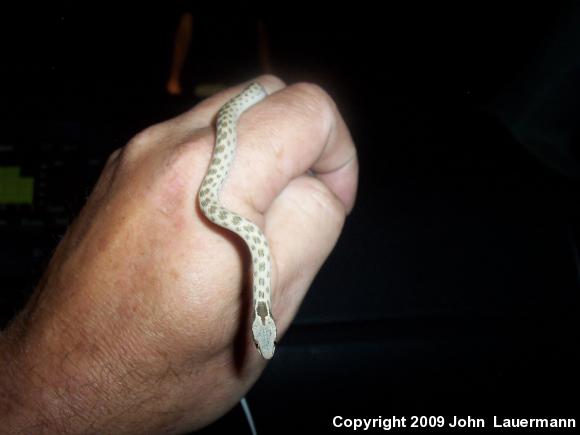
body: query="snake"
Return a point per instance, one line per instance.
(263, 325)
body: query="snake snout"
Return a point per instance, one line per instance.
(264, 336)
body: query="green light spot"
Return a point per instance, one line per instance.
(15, 189)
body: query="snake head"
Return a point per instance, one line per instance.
(264, 331)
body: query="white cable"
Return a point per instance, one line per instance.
(249, 417)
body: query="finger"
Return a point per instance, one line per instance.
(203, 113)
(292, 131)
(302, 226)
(180, 128)
(167, 135)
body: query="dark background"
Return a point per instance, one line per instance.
(454, 288)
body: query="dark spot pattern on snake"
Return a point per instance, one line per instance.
(262, 311)
(250, 233)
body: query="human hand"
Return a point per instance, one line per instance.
(141, 323)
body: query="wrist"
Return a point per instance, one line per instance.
(52, 383)
(40, 392)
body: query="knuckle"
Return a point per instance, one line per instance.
(143, 137)
(271, 81)
(142, 140)
(315, 101)
(114, 156)
(196, 149)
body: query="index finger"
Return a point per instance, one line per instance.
(203, 113)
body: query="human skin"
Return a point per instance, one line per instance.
(141, 321)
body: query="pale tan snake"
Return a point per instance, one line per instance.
(263, 326)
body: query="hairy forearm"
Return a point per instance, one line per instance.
(35, 396)
(58, 384)
(16, 395)
(73, 373)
